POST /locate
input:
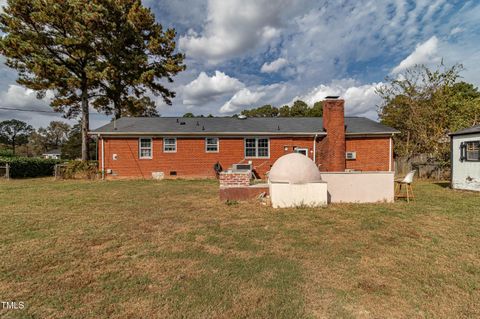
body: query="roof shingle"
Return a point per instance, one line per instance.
(231, 125)
(470, 130)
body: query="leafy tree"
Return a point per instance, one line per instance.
(189, 114)
(72, 148)
(425, 106)
(262, 111)
(14, 132)
(299, 109)
(52, 46)
(144, 107)
(56, 133)
(465, 106)
(136, 54)
(316, 110)
(284, 111)
(82, 50)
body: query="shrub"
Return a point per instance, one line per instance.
(79, 170)
(29, 166)
(6, 153)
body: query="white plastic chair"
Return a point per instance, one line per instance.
(407, 181)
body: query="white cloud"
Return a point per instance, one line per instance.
(425, 53)
(274, 66)
(360, 99)
(456, 30)
(19, 97)
(205, 89)
(233, 27)
(242, 98)
(36, 112)
(255, 96)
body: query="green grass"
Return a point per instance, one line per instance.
(146, 249)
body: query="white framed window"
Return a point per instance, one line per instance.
(145, 148)
(257, 147)
(211, 144)
(169, 144)
(302, 150)
(473, 151)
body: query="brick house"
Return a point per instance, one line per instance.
(190, 147)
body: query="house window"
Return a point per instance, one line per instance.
(301, 150)
(473, 151)
(257, 147)
(211, 144)
(145, 148)
(170, 145)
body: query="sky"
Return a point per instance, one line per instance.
(242, 54)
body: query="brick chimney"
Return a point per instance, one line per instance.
(333, 146)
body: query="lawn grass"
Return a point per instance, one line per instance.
(146, 249)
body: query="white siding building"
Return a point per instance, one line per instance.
(465, 159)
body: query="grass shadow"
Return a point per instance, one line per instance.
(442, 184)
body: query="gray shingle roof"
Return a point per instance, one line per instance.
(470, 130)
(230, 125)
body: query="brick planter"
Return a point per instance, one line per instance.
(235, 179)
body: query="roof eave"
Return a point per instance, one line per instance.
(373, 133)
(204, 133)
(465, 133)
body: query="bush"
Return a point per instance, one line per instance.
(78, 170)
(29, 166)
(6, 153)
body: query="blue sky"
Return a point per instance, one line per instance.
(246, 53)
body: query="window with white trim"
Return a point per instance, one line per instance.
(169, 144)
(145, 147)
(257, 147)
(211, 144)
(473, 151)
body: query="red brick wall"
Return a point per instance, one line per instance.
(373, 153)
(191, 160)
(332, 151)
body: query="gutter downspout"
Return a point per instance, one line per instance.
(390, 155)
(103, 158)
(315, 149)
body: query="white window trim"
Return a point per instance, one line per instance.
(140, 148)
(298, 149)
(466, 150)
(176, 146)
(206, 145)
(256, 147)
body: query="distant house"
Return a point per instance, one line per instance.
(53, 154)
(465, 158)
(190, 147)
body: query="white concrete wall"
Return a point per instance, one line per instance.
(295, 195)
(359, 187)
(465, 175)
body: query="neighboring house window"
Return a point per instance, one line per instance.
(257, 147)
(473, 151)
(170, 144)
(211, 144)
(145, 147)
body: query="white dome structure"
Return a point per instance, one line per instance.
(294, 168)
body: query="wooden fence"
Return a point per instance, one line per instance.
(424, 168)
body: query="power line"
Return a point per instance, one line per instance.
(26, 110)
(36, 111)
